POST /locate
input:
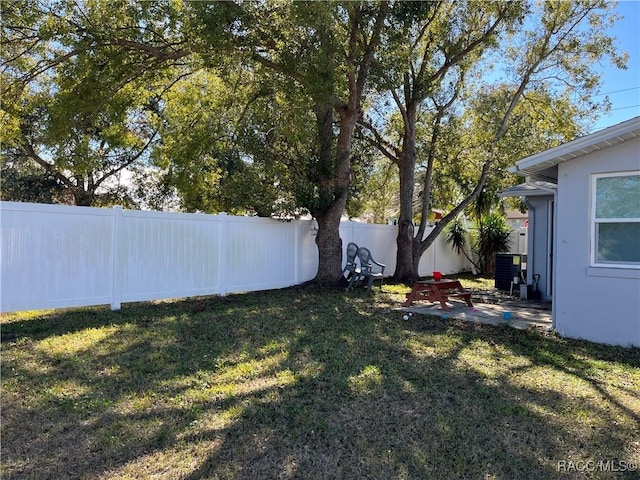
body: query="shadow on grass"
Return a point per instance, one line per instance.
(305, 383)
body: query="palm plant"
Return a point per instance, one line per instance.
(457, 235)
(493, 237)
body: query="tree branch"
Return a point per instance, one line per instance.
(124, 165)
(31, 153)
(401, 107)
(277, 68)
(371, 47)
(380, 143)
(153, 51)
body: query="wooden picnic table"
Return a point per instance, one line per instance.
(438, 291)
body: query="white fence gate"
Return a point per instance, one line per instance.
(57, 256)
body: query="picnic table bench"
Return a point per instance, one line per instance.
(438, 291)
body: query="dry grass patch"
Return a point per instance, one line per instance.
(306, 383)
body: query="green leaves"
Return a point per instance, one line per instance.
(79, 83)
(493, 237)
(251, 106)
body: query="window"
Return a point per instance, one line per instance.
(616, 220)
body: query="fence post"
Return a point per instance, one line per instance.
(296, 252)
(116, 272)
(353, 231)
(222, 253)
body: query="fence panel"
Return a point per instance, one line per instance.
(439, 257)
(59, 256)
(168, 255)
(55, 256)
(308, 257)
(380, 239)
(261, 254)
(518, 240)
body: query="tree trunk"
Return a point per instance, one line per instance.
(420, 246)
(333, 192)
(406, 270)
(82, 198)
(336, 176)
(329, 245)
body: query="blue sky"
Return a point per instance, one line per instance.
(623, 86)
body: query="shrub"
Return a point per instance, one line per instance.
(493, 237)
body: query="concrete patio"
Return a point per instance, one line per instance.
(490, 310)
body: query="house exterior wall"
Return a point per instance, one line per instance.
(598, 304)
(539, 243)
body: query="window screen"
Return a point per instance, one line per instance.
(616, 219)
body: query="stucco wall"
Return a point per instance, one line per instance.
(598, 304)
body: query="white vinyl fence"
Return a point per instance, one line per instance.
(518, 240)
(57, 256)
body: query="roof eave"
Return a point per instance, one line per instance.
(579, 147)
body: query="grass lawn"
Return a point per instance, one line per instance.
(304, 383)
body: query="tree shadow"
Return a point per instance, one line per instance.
(297, 384)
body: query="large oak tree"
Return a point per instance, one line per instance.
(553, 51)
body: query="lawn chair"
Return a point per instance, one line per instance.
(369, 268)
(351, 269)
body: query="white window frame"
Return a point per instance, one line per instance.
(595, 221)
